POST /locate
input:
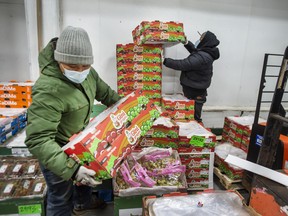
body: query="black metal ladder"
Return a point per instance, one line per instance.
(272, 130)
(276, 119)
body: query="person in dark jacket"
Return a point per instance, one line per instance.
(197, 69)
(63, 99)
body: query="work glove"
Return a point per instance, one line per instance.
(185, 42)
(85, 176)
(162, 56)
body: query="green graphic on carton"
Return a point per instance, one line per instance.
(159, 134)
(191, 107)
(110, 163)
(119, 50)
(149, 123)
(103, 175)
(154, 78)
(134, 111)
(224, 169)
(197, 141)
(152, 87)
(172, 134)
(152, 69)
(168, 145)
(86, 159)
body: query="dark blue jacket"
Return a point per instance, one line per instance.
(197, 68)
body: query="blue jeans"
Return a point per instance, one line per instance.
(63, 196)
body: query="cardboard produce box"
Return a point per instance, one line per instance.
(15, 94)
(158, 142)
(112, 135)
(192, 134)
(138, 58)
(139, 67)
(221, 153)
(158, 37)
(133, 48)
(139, 76)
(177, 102)
(163, 128)
(158, 25)
(158, 32)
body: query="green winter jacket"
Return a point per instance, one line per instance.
(61, 108)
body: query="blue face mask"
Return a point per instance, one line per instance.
(75, 76)
(197, 43)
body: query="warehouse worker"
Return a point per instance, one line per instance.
(197, 69)
(63, 98)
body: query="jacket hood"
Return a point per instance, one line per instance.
(209, 44)
(47, 61)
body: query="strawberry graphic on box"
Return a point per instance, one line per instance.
(113, 134)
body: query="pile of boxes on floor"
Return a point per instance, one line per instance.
(22, 186)
(235, 139)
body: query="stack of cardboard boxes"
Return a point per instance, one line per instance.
(139, 67)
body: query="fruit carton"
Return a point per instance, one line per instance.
(196, 162)
(138, 58)
(152, 37)
(241, 125)
(177, 102)
(15, 104)
(139, 67)
(133, 48)
(179, 114)
(193, 134)
(192, 149)
(232, 172)
(112, 135)
(151, 94)
(15, 96)
(197, 173)
(17, 114)
(163, 128)
(16, 87)
(142, 85)
(199, 184)
(221, 152)
(159, 26)
(142, 76)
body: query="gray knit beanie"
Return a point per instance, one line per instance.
(74, 47)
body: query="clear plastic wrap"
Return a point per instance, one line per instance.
(204, 204)
(162, 173)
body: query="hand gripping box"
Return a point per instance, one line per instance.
(112, 135)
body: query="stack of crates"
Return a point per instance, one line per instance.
(139, 67)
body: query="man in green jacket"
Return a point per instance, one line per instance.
(63, 99)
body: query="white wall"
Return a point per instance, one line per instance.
(13, 41)
(246, 29)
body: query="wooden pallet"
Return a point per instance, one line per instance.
(228, 183)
